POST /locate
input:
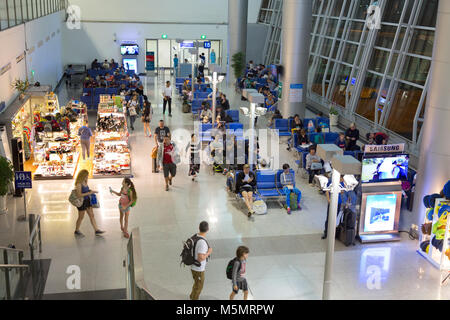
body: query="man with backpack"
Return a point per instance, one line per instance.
(198, 250)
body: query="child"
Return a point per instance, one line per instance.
(127, 200)
(340, 141)
(238, 279)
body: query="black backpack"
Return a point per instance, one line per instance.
(188, 252)
(230, 266)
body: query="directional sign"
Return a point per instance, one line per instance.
(23, 179)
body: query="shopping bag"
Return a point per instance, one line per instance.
(94, 201)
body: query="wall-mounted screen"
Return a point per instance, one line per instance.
(385, 168)
(129, 49)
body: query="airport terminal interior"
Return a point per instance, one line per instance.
(305, 140)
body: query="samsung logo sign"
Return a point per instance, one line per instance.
(385, 148)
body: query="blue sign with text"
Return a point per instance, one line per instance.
(23, 179)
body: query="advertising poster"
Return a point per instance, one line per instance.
(380, 212)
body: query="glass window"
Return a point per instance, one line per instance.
(335, 49)
(368, 96)
(428, 13)
(393, 11)
(378, 60)
(361, 9)
(355, 31)
(385, 36)
(403, 109)
(331, 27)
(342, 80)
(336, 10)
(3, 16)
(415, 70)
(408, 12)
(422, 42)
(317, 83)
(349, 53)
(326, 47)
(18, 9)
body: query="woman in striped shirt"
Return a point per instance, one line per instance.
(194, 163)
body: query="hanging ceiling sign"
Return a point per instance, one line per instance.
(187, 44)
(20, 58)
(5, 68)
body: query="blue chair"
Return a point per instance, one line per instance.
(98, 91)
(330, 137)
(112, 91)
(95, 101)
(265, 184)
(306, 122)
(87, 100)
(235, 126)
(89, 91)
(205, 132)
(283, 127)
(323, 122)
(234, 114)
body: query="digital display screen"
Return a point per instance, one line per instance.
(129, 49)
(380, 212)
(187, 44)
(130, 64)
(388, 168)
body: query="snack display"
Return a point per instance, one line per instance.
(111, 151)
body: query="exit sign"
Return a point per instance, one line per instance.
(203, 36)
(164, 36)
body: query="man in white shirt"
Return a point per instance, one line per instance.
(167, 95)
(202, 252)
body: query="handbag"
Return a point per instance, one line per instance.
(75, 200)
(316, 166)
(132, 111)
(260, 207)
(94, 201)
(155, 152)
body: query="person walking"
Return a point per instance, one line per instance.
(194, 159)
(287, 180)
(168, 158)
(127, 200)
(83, 191)
(147, 118)
(132, 110)
(175, 65)
(167, 96)
(202, 251)
(239, 282)
(161, 132)
(85, 134)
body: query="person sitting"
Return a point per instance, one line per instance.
(276, 115)
(123, 90)
(208, 89)
(319, 138)
(340, 141)
(381, 138)
(106, 65)
(216, 148)
(313, 164)
(206, 114)
(224, 103)
(287, 180)
(302, 137)
(352, 136)
(297, 125)
(109, 77)
(95, 64)
(245, 186)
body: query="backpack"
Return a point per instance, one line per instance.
(188, 252)
(230, 266)
(129, 196)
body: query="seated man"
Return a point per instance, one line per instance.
(313, 164)
(206, 114)
(287, 180)
(245, 185)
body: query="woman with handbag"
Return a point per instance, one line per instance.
(194, 160)
(127, 200)
(83, 191)
(147, 118)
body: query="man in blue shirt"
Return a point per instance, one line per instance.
(212, 57)
(341, 199)
(85, 134)
(287, 180)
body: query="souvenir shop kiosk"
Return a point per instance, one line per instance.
(43, 137)
(383, 168)
(111, 151)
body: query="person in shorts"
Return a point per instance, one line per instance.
(166, 155)
(245, 185)
(239, 282)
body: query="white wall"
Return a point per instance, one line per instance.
(95, 39)
(45, 60)
(12, 44)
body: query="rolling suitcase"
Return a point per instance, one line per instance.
(347, 229)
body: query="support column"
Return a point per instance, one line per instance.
(237, 32)
(434, 162)
(296, 37)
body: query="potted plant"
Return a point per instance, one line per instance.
(334, 116)
(21, 87)
(238, 64)
(6, 177)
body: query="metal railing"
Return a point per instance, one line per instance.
(136, 287)
(34, 222)
(8, 268)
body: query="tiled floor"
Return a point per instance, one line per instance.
(287, 255)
